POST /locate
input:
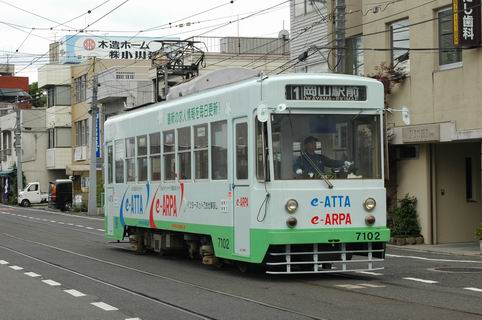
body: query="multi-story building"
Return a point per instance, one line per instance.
(437, 152)
(13, 95)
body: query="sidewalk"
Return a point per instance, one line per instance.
(461, 249)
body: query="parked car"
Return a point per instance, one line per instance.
(60, 194)
(31, 195)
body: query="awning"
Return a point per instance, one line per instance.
(5, 173)
(73, 168)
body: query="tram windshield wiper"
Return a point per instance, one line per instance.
(323, 177)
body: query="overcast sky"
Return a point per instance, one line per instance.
(131, 17)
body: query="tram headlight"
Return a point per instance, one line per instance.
(370, 220)
(291, 222)
(369, 204)
(291, 205)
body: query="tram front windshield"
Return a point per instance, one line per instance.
(335, 146)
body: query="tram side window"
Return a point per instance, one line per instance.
(184, 152)
(201, 165)
(130, 159)
(242, 150)
(219, 150)
(110, 168)
(119, 161)
(155, 155)
(169, 141)
(142, 158)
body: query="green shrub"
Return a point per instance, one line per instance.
(478, 232)
(405, 219)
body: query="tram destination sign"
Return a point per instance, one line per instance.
(326, 92)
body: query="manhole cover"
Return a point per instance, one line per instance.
(458, 270)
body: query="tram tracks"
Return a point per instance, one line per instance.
(138, 294)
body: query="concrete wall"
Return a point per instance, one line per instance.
(415, 181)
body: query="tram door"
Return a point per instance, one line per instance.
(241, 188)
(109, 190)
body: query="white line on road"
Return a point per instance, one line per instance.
(430, 259)
(60, 222)
(473, 289)
(421, 280)
(370, 273)
(16, 268)
(70, 224)
(104, 306)
(75, 293)
(51, 283)
(3, 262)
(349, 286)
(101, 230)
(89, 228)
(79, 225)
(371, 285)
(32, 274)
(133, 319)
(53, 221)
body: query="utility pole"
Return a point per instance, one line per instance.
(18, 147)
(340, 10)
(93, 144)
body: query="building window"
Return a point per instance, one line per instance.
(80, 85)
(184, 152)
(130, 159)
(354, 56)
(51, 133)
(400, 42)
(142, 158)
(119, 161)
(155, 155)
(82, 132)
(219, 150)
(470, 180)
(201, 153)
(58, 96)
(448, 53)
(303, 7)
(169, 143)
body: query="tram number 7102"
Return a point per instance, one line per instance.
(368, 235)
(223, 243)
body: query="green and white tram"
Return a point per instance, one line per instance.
(284, 171)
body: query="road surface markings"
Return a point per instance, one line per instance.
(101, 230)
(370, 273)
(473, 289)
(53, 221)
(133, 319)
(89, 228)
(60, 222)
(70, 224)
(16, 268)
(51, 283)
(32, 274)
(75, 293)
(79, 225)
(359, 286)
(421, 280)
(104, 306)
(3, 262)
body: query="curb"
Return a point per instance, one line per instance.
(428, 250)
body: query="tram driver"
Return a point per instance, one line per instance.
(310, 163)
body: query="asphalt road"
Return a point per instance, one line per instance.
(58, 266)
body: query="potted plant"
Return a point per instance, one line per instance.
(478, 234)
(405, 227)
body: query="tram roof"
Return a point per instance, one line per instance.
(283, 79)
